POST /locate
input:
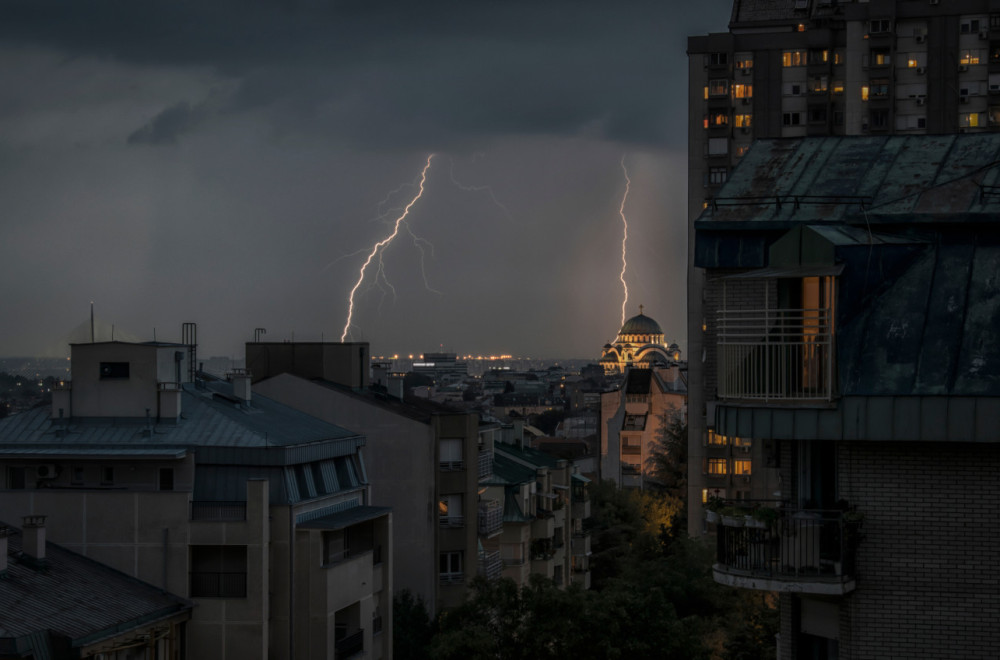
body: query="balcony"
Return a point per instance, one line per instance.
(490, 565)
(802, 551)
(490, 517)
(485, 463)
(350, 646)
(776, 355)
(208, 511)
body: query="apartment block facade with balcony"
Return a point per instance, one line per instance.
(259, 514)
(424, 460)
(634, 419)
(544, 505)
(813, 68)
(851, 308)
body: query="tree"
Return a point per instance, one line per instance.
(668, 458)
(412, 628)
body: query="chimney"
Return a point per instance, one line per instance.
(241, 385)
(395, 386)
(3, 550)
(33, 537)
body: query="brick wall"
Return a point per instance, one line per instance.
(929, 567)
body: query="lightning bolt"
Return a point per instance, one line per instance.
(485, 189)
(377, 249)
(621, 212)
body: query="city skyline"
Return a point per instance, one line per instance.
(227, 165)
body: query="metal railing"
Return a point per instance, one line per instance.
(218, 511)
(490, 565)
(798, 544)
(490, 517)
(775, 354)
(219, 584)
(485, 463)
(350, 645)
(451, 521)
(451, 578)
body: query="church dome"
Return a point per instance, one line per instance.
(641, 325)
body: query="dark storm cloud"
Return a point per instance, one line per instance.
(168, 125)
(423, 74)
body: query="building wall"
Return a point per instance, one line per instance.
(400, 458)
(927, 571)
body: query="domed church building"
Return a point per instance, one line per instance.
(639, 344)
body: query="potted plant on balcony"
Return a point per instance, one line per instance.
(763, 517)
(733, 517)
(713, 506)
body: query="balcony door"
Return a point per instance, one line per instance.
(807, 304)
(817, 474)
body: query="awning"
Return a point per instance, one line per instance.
(342, 519)
(793, 272)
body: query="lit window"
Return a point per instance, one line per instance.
(793, 58)
(819, 56)
(743, 121)
(744, 61)
(818, 84)
(717, 466)
(741, 150)
(967, 57)
(838, 57)
(742, 466)
(879, 87)
(719, 119)
(717, 440)
(864, 92)
(718, 87)
(880, 57)
(741, 91)
(838, 87)
(971, 120)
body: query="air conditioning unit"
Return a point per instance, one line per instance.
(745, 130)
(45, 471)
(746, 101)
(921, 100)
(921, 70)
(962, 68)
(745, 71)
(963, 99)
(921, 38)
(984, 35)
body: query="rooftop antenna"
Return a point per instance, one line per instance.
(91, 321)
(257, 334)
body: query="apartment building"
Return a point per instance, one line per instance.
(798, 68)
(424, 460)
(257, 513)
(544, 502)
(852, 311)
(634, 419)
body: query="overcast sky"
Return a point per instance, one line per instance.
(232, 162)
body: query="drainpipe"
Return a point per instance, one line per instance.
(291, 581)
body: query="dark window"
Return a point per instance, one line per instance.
(114, 370)
(166, 478)
(817, 115)
(838, 117)
(107, 476)
(218, 571)
(792, 118)
(77, 475)
(717, 175)
(880, 87)
(880, 25)
(879, 119)
(15, 478)
(345, 472)
(718, 59)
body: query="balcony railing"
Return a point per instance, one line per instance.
(775, 354)
(485, 463)
(219, 584)
(218, 511)
(490, 517)
(805, 551)
(451, 521)
(490, 565)
(349, 646)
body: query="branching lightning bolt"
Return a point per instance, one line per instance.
(485, 189)
(621, 212)
(377, 249)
